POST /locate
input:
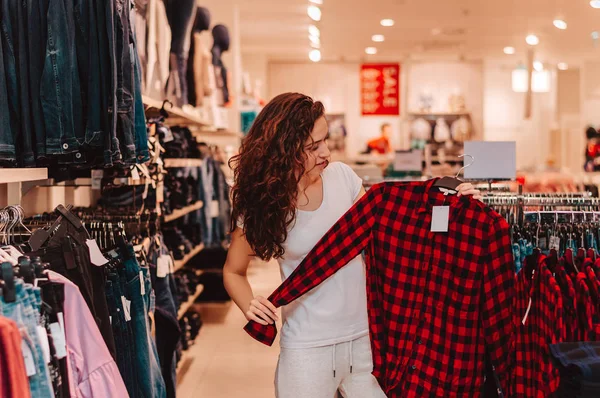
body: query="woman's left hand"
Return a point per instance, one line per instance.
(467, 189)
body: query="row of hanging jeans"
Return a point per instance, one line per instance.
(70, 84)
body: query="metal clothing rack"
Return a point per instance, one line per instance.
(580, 201)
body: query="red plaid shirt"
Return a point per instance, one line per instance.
(570, 329)
(539, 308)
(437, 301)
(585, 309)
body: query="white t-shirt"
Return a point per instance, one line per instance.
(335, 311)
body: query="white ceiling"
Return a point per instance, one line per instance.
(470, 29)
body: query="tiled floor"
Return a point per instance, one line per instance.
(225, 361)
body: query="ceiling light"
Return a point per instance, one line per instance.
(378, 38)
(560, 24)
(595, 3)
(319, 2)
(314, 39)
(595, 35)
(532, 40)
(315, 55)
(371, 50)
(314, 31)
(538, 66)
(509, 50)
(387, 22)
(314, 13)
(563, 66)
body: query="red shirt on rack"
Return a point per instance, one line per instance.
(570, 329)
(585, 309)
(437, 301)
(539, 308)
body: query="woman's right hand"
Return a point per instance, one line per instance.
(262, 311)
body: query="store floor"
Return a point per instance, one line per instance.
(225, 362)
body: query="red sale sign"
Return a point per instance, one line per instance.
(380, 89)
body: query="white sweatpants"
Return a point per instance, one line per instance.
(322, 372)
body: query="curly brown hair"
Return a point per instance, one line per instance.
(267, 171)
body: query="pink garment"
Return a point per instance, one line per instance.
(92, 371)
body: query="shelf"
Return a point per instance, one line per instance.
(179, 264)
(441, 114)
(172, 163)
(9, 175)
(182, 212)
(186, 306)
(177, 116)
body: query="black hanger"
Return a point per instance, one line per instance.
(451, 183)
(25, 270)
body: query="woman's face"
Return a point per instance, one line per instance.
(317, 152)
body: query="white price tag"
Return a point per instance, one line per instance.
(163, 266)
(96, 256)
(214, 208)
(527, 312)
(28, 357)
(43, 336)
(555, 242)
(59, 341)
(135, 174)
(142, 284)
(126, 308)
(97, 179)
(439, 218)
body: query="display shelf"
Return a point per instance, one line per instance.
(177, 116)
(182, 212)
(172, 163)
(8, 176)
(186, 306)
(179, 264)
(439, 114)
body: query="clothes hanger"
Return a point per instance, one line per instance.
(450, 184)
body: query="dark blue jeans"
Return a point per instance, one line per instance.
(60, 88)
(141, 132)
(125, 78)
(150, 382)
(7, 142)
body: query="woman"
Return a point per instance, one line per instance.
(286, 197)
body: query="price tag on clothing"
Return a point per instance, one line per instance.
(214, 208)
(555, 243)
(96, 256)
(135, 174)
(28, 357)
(97, 176)
(439, 218)
(168, 135)
(59, 341)
(43, 336)
(163, 266)
(142, 284)
(126, 308)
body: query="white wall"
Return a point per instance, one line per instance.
(504, 117)
(257, 66)
(337, 85)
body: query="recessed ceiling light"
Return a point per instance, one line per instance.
(371, 50)
(314, 55)
(314, 13)
(532, 40)
(314, 31)
(314, 39)
(563, 66)
(595, 3)
(319, 2)
(378, 38)
(560, 24)
(538, 66)
(595, 35)
(387, 22)
(509, 50)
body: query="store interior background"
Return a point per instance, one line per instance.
(443, 47)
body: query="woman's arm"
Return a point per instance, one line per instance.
(235, 278)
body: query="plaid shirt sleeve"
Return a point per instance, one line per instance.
(498, 317)
(343, 242)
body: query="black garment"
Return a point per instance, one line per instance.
(221, 42)
(53, 295)
(69, 256)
